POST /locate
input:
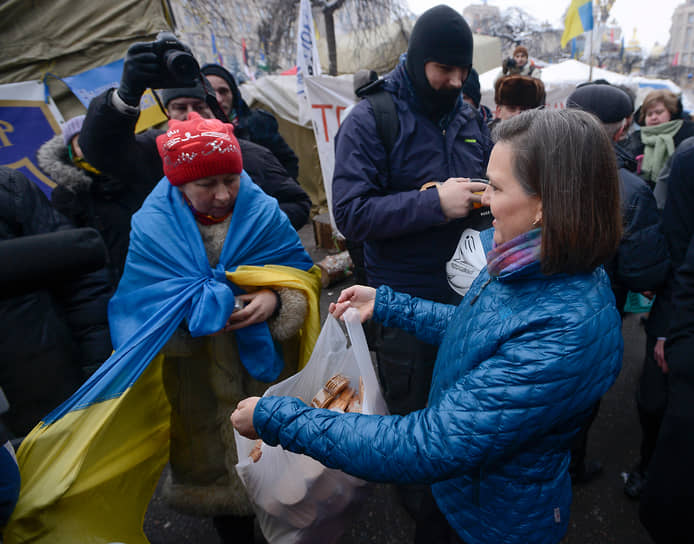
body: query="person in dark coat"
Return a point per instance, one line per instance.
(109, 142)
(87, 197)
(641, 262)
(652, 394)
(258, 126)
(472, 94)
(411, 206)
(54, 334)
(663, 128)
(668, 498)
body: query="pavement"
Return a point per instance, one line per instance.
(600, 514)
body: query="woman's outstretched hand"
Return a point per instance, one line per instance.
(242, 418)
(358, 296)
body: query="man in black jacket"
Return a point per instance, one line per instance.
(54, 333)
(641, 262)
(109, 142)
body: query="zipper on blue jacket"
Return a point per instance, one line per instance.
(474, 299)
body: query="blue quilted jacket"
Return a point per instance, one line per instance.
(521, 362)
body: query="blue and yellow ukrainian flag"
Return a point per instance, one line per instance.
(90, 467)
(579, 19)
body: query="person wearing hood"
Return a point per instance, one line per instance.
(109, 142)
(258, 126)
(409, 205)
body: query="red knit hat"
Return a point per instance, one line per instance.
(198, 148)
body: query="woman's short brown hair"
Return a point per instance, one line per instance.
(668, 98)
(565, 158)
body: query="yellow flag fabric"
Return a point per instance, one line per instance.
(579, 19)
(88, 477)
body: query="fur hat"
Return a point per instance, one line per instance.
(516, 90)
(607, 103)
(520, 49)
(72, 127)
(198, 148)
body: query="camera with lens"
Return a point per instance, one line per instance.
(510, 66)
(178, 63)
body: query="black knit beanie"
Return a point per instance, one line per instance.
(439, 35)
(167, 95)
(471, 87)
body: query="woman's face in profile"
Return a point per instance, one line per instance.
(214, 195)
(514, 211)
(657, 114)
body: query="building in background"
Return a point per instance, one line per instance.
(681, 46)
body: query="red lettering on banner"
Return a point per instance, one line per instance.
(338, 110)
(324, 107)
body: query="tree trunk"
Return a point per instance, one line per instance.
(330, 37)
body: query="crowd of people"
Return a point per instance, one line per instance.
(492, 383)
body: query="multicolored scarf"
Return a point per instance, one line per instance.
(515, 254)
(204, 218)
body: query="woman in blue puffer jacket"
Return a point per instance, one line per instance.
(522, 360)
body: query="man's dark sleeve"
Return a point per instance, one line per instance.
(266, 171)
(109, 143)
(263, 129)
(642, 257)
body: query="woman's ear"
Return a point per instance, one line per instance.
(538, 214)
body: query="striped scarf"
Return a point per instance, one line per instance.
(515, 254)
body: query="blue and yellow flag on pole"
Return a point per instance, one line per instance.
(579, 19)
(91, 466)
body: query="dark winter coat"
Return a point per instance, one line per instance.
(522, 361)
(109, 143)
(642, 262)
(678, 228)
(376, 198)
(54, 336)
(668, 500)
(91, 200)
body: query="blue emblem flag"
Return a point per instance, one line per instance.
(579, 19)
(26, 122)
(91, 466)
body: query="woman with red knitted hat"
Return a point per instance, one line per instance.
(215, 231)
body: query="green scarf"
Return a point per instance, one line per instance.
(658, 147)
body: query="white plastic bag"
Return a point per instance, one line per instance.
(297, 499)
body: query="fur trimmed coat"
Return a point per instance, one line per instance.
(204, 380)
(91, 200)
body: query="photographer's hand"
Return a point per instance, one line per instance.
(141, 69)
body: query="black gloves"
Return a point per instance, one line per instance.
(142, 69)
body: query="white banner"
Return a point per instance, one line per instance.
(329, 99)
(307, 61)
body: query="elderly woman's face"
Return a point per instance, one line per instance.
(514, 211)
(214, 195)
(657, 114)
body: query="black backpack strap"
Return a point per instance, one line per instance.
(385, 113)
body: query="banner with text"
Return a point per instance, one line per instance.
(307, 61)
(28, 118)
(329, 99)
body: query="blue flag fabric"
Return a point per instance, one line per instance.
(168, 279)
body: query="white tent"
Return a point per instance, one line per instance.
(561, 79)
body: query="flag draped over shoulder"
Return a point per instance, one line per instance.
(90, 467)
(579, 19)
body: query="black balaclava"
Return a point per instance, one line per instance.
(439, 35)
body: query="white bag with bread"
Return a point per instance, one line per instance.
(297, 499)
